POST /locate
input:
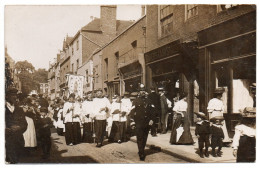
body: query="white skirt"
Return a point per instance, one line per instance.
(30, 135)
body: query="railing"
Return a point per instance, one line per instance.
(129, 57)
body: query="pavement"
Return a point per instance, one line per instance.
(187, 152)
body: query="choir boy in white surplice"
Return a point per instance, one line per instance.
(87, 118)
(72, 121)
(101, 113)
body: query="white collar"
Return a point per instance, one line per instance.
(10, 107)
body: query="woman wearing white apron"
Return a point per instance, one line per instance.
(29, 135)
(215, 109)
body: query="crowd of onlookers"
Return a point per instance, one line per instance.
(94, 118)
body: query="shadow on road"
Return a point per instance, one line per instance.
(152, 150)
(34, 156)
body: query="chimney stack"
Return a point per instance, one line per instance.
(143, 10)
(108, 20)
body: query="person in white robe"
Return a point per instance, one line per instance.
(71, 113)
(101, 110)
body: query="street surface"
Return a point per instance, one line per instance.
(88, 153)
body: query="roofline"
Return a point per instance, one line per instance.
(120, 34)
(75, 36)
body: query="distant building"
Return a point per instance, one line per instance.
(122, 64)
(44, 88)
(92, 37)
(65, 56)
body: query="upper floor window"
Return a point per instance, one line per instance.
(134, 44)
(87, 76)
(166, 20)
(106, 68)
(77, 63)
(72, 51)
(117, 62)
(191, 11)
(72, 68)
(77, 44)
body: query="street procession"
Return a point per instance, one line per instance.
(171, 86)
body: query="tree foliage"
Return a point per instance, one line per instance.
(30, 78)
(24, 66)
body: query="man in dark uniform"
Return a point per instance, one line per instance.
(15, 126)
(155, 108)
(143, 119)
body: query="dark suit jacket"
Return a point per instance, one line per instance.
(142, 111)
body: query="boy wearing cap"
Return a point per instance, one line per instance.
(45, 125)
(217, 136)
(202, 131)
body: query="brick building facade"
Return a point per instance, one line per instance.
(177, 57)
(122, 60)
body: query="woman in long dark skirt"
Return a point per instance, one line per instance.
(181, 125)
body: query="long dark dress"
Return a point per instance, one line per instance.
(246, 149)
(186, 138)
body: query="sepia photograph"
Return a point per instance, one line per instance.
(129, 84)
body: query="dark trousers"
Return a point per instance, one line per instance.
(73, 133)
(203, 139)
(216, 141)
(46, 144)
(141, 135)
(164, 122)
(60, 131)
(88, 132)
(153, 128)
(118, 131)
(100, 130)
(14, 145)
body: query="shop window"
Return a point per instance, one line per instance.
(166, 20)
(191, 11)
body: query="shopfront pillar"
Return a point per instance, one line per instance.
(230, 96)
(205, 75)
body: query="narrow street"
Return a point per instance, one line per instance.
(88, 153)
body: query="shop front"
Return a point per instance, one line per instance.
(174, 67)
(227, 57)
(131, 77)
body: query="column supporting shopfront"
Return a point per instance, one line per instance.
(205, 80)
(230, 96)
